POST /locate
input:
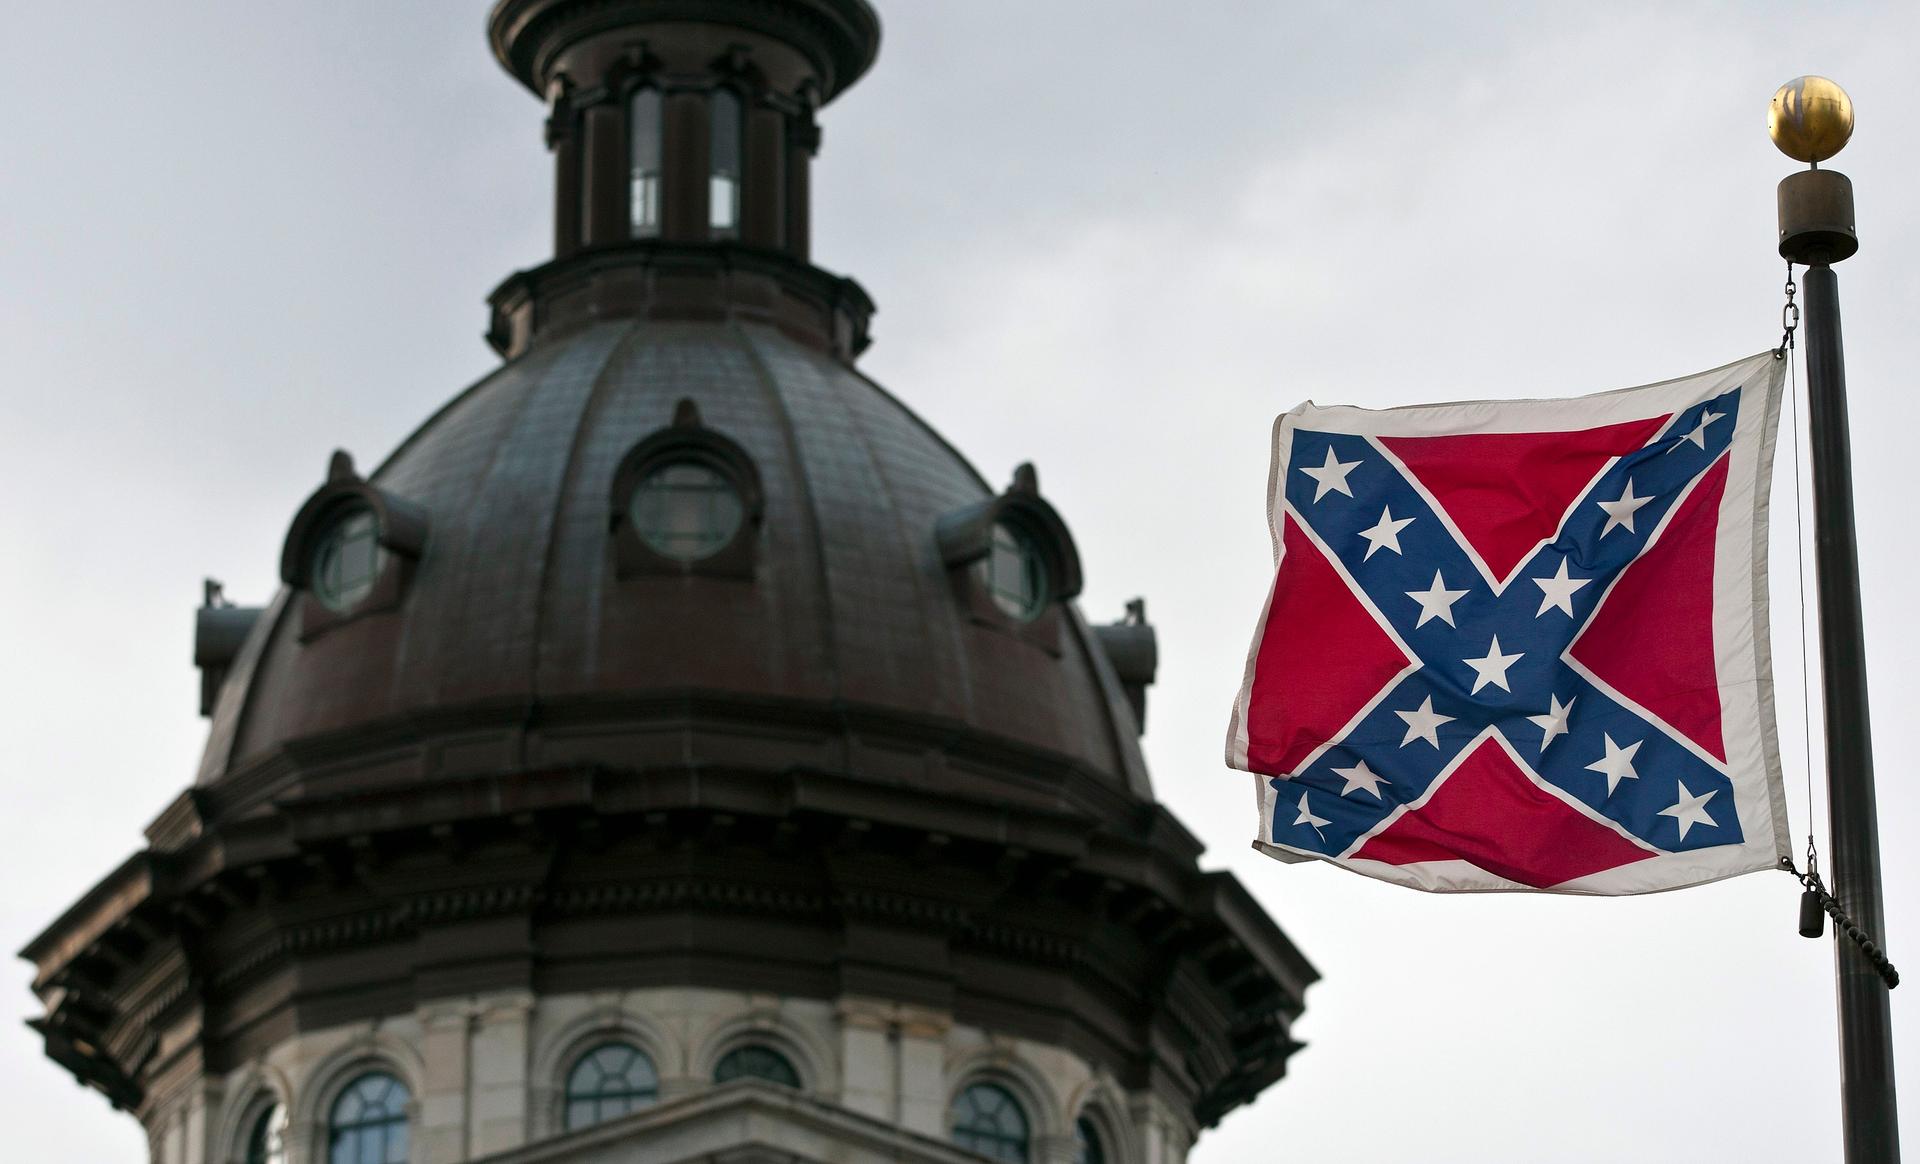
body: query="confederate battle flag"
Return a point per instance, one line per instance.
(1522, 644)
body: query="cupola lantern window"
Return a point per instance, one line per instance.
(724, 187)
(644, 148)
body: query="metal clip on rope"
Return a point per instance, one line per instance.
(1789, 318)
(1816, 900)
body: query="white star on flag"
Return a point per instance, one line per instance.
(1306, 817)
(1620, 510)
(1557, 591)
(1554, 723)
(1617, 765)
(1436, 602)
(1492, 667)
(1385, 533)
(1423, 723)
(1332, 476)
(1360, 776)
(1699, 434)
(1690, 810)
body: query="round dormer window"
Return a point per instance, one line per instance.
(347, 559)
(685, 510)
(1014, 573)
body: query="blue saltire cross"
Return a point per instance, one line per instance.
(1496, 659)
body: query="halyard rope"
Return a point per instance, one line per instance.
(1815, 888)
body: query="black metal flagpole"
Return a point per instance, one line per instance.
(1811, 120)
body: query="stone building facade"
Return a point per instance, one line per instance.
(675, 750)
(876, 1081)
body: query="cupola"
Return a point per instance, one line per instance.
(682, 133)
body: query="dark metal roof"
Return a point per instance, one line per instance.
(840, 37)
(513, 619)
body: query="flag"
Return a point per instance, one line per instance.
(1522, 644)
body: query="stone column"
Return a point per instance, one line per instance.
(173, 1140)
(686, 160)
(304, 1140)
(868, 1055)
(441, 1133)
(1165, 1135)
(194, 1116)
(563, 137)
(605, 150)
(763, 201)
(803, 141)
(922, 1037)
(894, 1063)
(180, 1132)
(497, 1073)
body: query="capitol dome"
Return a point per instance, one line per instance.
(530, 626)
(675, 749)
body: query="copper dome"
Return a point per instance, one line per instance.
(515, 642)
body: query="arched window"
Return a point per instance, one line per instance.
(643, 153)
(267, 1138)
(756, 1062)
(610, 1080)
(1086, 1143)
(369, 1122)
(724, 164)
(987, 1120)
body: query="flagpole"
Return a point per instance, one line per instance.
(1811, 120)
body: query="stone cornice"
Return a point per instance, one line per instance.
(737, 857)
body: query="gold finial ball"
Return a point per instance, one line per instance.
(1811, 119)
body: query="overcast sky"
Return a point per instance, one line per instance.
(1111, 236)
